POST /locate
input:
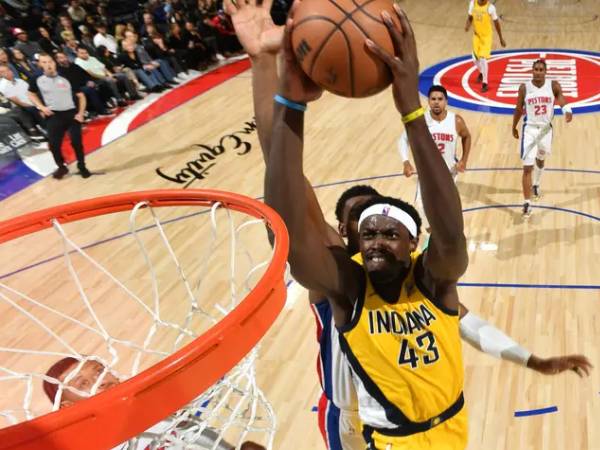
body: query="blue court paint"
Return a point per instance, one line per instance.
(536, 412)
(314, 409)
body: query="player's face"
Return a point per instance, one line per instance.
(385, 245)
(539, 72)
(437, 103)
(84, 380)
(349, 228)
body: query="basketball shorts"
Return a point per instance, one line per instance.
(341, 429)
(449, 435)
(482, 47)
(536, 142)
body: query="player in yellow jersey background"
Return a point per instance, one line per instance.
(481, 14)
(398, 312)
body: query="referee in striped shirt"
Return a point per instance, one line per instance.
(63, 106)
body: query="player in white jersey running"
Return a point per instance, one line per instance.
(536, 102)
(446, 128)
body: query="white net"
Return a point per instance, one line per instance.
(103, 312)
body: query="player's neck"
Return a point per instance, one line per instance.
(390, 291)
(538, 83)
(439, 117)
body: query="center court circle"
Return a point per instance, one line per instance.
(577, 71)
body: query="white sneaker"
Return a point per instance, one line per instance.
(220, 57)
(537, 193)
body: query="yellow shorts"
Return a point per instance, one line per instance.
(482, 47)
(453, 434)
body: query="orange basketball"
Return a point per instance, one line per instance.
(329, 42)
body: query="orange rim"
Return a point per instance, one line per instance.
(112, 417)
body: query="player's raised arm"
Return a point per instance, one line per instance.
(465, 138)
(262, 40)
(561, 101)
(313, 263)
(447, 255)
(518, 111)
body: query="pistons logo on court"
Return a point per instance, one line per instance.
(578, 73)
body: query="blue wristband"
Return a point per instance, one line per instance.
(290, 104)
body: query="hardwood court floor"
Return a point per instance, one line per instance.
(348, 140)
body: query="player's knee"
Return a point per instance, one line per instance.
(527, 169)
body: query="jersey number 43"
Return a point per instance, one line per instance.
(426, 343)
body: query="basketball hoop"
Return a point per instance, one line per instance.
(188, 383)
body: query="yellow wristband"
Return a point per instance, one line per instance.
(413, 115)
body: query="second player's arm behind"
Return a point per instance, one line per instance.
(465, 137)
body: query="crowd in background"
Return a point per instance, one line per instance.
(114, 51)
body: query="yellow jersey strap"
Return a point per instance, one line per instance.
(419, 275)
(418, 427)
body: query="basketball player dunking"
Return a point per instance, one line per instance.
(482, 13)
(536, 101)
(396, 310)
(446, 128)
(337, 408)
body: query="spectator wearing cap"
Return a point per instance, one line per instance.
(104, 77)
(63, 105)
(102, 38)
(26, 69)
(4, 59)
(48, 44)
(29, 48)
(16, 90)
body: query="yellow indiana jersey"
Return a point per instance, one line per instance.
(406, 357)
(483, 15)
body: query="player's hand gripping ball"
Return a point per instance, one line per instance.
(328, 38)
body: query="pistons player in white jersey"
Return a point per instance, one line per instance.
(446, 128)
(536, 102)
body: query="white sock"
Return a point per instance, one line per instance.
(537, 175)
(484, 69)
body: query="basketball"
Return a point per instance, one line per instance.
(328, 38)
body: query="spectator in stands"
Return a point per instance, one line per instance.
(105, 78)
(29, 48)
(158, 49)
(48, 21)
(16, 90)
(209, 45)
(146, 73)
(82, 81)
(66, 24)
(76, 11)
(102, 38)
(63, 105)
(193, 52)
(4, 59)
(120, 33)
(48, 45)
(148, 21)
(26, 70)
(226, 38)
(161, 64)
(113, 64)
(87, 40)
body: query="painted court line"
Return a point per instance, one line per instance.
(536, 412)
